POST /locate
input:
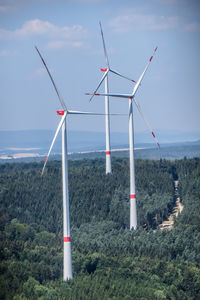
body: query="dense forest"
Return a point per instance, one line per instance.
(109, 260)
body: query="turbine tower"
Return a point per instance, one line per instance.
(67, 261)
(131, 97)
(107, 118)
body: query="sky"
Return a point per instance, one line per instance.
(67, 33)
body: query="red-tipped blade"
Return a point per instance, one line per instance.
(147, 123)
(53, 141)
(126, 96)
(53, 82)
(138, 83)
(102, 79)
(104, 46)
(44, 165)
(123, 76)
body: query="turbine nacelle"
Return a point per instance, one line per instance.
(60, 112)
(104, 69)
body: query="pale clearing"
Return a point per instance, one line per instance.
(176, 211)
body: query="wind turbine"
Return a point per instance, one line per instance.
(107, 118)
(67, 262)
(131, 97)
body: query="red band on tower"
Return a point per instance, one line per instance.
(66, 239)
(107, 152)
(132, 196)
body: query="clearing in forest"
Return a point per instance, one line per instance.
(177, 209)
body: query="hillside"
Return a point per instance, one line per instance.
(109, 260)
(33, 145)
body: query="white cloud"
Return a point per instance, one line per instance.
(39, 73)
(57, 44)
(43, 28)
(4, 8)
(192, 27)
(168, 1)
(54, 36)
(5, 52)
(131, 22)
(88, 1)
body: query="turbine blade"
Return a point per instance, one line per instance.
(104, 47)
(74, 112)
(53, 141)
(127, 96)
(57, 92)
(117, 73)
(143, 73)
(102, 79)
(147, 123)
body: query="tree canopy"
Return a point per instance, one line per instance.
(109, 260)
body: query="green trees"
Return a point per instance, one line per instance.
(109, 260)
(34, 199)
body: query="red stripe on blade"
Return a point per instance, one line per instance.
(151, 58)
(66, 239)
(46, 159)
(103, 69)
(153, 134)
(132, 196)
(43, 62)
(44, 165)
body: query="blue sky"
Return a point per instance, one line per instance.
(67, 34)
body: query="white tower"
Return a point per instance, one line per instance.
(133, 211)
(107, 126)
(67, 256)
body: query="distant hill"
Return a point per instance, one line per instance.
(35, 143)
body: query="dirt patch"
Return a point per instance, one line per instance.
(176, 211)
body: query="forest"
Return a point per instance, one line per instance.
(109, 260)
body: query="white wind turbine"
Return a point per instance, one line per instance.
(107, 118)
(67, 262)
(131, 97)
